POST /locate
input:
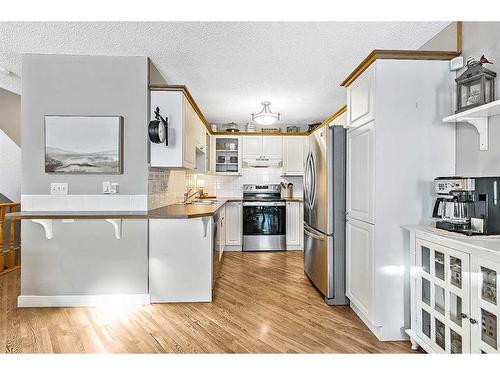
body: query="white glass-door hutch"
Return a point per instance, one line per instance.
(454, 292)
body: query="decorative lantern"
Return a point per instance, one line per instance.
(476, 86)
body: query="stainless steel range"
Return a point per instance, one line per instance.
(264, 215)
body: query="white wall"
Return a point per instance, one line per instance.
(10, 168)
(478, 38)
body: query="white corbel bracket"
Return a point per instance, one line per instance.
(117, 224)
(47, 225)
(481, 124)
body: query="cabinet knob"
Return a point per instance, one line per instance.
(464, 316)
(473, 321)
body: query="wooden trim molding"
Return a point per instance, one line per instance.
(397, 55)
(342, 110)
(186, 92)
(188, 96)
(459, 37)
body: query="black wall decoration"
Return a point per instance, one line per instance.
(158, 128)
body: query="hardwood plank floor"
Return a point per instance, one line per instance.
(263, 303)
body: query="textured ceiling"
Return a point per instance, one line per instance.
(229, 67)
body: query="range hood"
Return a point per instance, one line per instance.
(262, 163)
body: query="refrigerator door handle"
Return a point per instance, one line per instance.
(313, 187)
(315, 236)
(313, 231)
(308, 180)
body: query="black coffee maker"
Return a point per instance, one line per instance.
(468, 205)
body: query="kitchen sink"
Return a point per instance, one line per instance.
(204, 202)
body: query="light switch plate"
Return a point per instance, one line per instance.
(457, 63)
(110, 187)
(58, 188)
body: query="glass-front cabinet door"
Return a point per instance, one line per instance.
(485, 329)
(226, 155)
(443, 298)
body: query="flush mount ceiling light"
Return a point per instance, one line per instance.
(265, 117)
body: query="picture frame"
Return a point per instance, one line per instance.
(81, 145)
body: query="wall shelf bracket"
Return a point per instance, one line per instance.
(117, 224)
(47, 225)
(479, 118)
(481, 124)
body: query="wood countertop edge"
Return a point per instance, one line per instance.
(205, 211)
(26, 215)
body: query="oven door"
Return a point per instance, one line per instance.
(264, 226)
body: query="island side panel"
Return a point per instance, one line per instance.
(84, 258)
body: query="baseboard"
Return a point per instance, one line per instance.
(379, 331)
(232, 248)
(294, 248)
(81, 301)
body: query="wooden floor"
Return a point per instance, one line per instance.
(263, 303)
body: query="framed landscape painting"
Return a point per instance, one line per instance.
(83, 144)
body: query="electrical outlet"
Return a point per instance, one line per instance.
(110, 187)
(58, 188)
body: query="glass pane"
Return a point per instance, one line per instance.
(264, 220)
(426, 323)
(489, 285)
(456, 272)
(471, 92)
(226, 144)
(439, 265)
(439, 299)
(426, 291)
(426, 259)
(440, 335)
(456, 342)
(489, 328)
(456, 309)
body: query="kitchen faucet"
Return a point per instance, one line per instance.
(187, 195)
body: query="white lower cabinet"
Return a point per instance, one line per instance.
(180, 260)
(359, 266)
(234, 224)
(294, 225)
(485, 311)
(443, 298)
(454, 299)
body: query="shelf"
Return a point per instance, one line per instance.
(479, 118)
(227, 163)
(226, 150)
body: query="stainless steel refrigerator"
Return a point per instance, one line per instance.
(324, 213)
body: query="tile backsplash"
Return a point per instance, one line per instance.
(167, 186)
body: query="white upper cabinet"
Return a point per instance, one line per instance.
(361, 173)
(226, 155)
(272, 147)
(294, 152)
(252, 147)
(186, 132)
(262, 147)
(361, 99)
(190, 136)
